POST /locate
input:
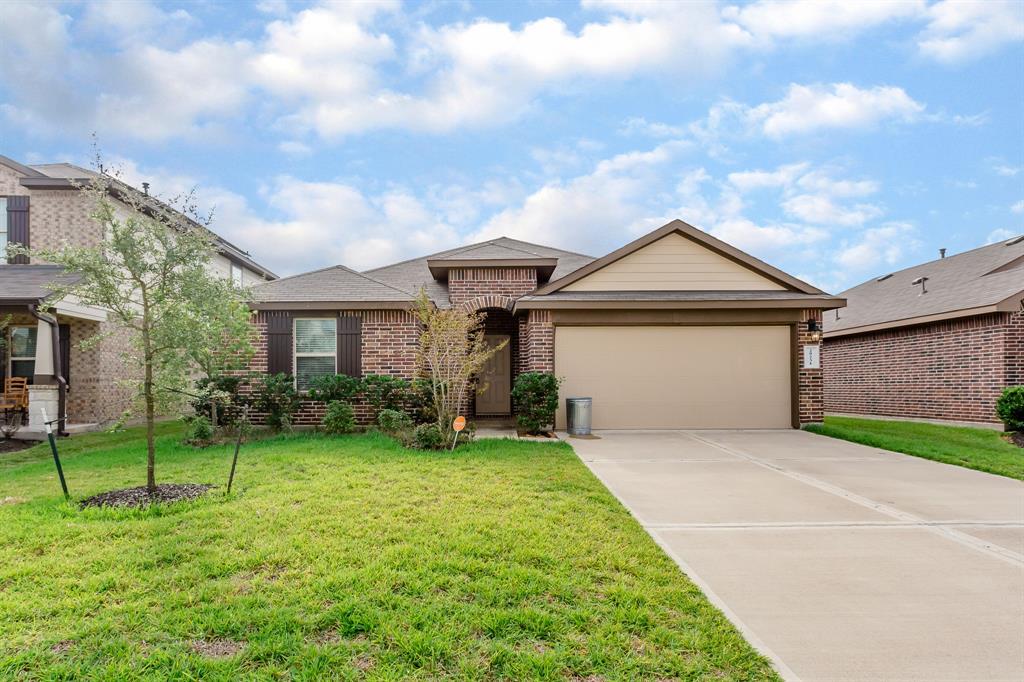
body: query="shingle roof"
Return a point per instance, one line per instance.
(329, 285)
(963, 283)
(27, 283)
(69, 172)
(413, 274)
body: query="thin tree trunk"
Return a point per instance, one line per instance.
(147, 392)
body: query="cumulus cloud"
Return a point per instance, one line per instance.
(1018, 207)
(959, 31)
(818, 19)
(813, 108)
(1000, 235)
(877, 246)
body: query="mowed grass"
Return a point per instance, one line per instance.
(981, 449)
(344, 558)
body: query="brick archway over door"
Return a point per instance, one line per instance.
(488, 301)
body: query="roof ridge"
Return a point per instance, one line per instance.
(553, 248)
(303, 274)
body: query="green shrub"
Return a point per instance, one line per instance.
(339, 418)
(393, 421)
(199, 431)
(428, 437)
(1010, 408)
(421, 402)
(384, 392)
(221, 389)
(327, 389)
(275, 396)
(536, 400)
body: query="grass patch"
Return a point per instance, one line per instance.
(981, 449)
(343, 558)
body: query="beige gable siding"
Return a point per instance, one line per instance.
(674, 263)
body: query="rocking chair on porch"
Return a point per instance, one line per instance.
(15, 395)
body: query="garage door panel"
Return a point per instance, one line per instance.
(678, 377)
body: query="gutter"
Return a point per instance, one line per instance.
(58, 374)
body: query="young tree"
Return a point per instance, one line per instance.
(151, 274)
(451, 353)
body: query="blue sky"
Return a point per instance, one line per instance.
(838, 140)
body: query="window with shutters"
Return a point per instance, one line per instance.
(3, 226)
(315, 349)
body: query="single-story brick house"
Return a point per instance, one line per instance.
(938, 341)
(674, 330)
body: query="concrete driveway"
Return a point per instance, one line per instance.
(838, 561)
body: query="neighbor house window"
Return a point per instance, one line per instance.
(316, 349)
(22, 358)
(3, 228)
(236, 275)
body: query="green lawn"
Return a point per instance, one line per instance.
(344, 558)
(981, 449)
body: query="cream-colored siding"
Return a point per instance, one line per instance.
(674, 263)
(678, 377)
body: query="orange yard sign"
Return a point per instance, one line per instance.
(459, 423)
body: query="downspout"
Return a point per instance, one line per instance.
(58, 371)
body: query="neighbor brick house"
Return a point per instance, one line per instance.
(42, 207)
(938, 341)
(674, 330)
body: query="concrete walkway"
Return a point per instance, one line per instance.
(838, 561)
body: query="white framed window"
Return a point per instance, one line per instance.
(315, 349)
(3, 228)
(236, 274)
(21, 360)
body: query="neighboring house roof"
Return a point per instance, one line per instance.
(24, 284)
(68, 176)
(413, 274)
(330, 287)
(983, 280)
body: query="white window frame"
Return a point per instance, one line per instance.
(11, 358)
(237, 274)
(296, 354)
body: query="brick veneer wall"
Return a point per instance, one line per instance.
(465, 284)
(952, 370)
(537, 341)
(389, 340)
(810, 389)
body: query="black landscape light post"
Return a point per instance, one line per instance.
(53, 448)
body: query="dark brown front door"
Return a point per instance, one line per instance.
(494, 393)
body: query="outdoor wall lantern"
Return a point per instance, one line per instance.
(815, 330)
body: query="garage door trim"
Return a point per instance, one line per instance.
(629, 318)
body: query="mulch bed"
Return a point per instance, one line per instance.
(141, 497)
(12, 445)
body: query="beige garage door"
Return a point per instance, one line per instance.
(678, 377)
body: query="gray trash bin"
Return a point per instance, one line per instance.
(577, 416)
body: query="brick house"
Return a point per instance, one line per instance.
(674, 330)
(938, 341)
(40, 206)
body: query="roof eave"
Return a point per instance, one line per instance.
(540, 303)
(332, 305)
(1007, 305)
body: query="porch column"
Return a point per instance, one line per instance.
(44, 373)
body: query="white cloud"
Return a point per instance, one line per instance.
(959, 30)
(638, 125)
(999, 235)
(294, 148)
(812, 108)
(783, 176)
(884, 245)
(818, 19)
(1005, 170)
(1018, 207)
(822, 210)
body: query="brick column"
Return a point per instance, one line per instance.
(538, 343)
(810, 386)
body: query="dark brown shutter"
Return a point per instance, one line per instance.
(17, 225)
(350, 345)
(279, 341)
(64, 338)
